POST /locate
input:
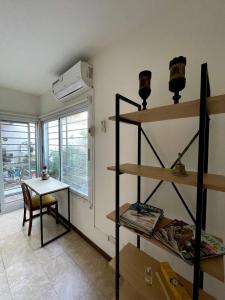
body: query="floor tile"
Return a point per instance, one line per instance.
(2, 242)
(1, 264)
(50, 294)
(59, 266)
(68, 268)
(94, 294)
(71, 286)
(70, 241)
(6, 296)
(66, 277)
(95, 267)
(105, 285)
(10, 228)
(46, 254)
(15, 249)
(54, 249)
(27, 280)
(4, 286)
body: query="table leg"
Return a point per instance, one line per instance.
(68, 195)
(65, 225)
(41, 221)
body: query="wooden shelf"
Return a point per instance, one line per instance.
(211, 181)
(132, 266)
(215, 105)
(212, 266)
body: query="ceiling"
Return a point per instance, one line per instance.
(39, 39)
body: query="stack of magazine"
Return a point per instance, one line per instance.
(141, 217)
(180, 238)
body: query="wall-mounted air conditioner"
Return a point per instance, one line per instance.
(73, 82)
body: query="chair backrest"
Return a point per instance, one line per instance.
(26, 195)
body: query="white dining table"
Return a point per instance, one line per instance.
(44, 187)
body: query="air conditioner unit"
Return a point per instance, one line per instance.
(73, 82)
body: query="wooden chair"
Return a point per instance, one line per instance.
(32, 203)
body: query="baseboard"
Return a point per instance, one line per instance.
(102, 252)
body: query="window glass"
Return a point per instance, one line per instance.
(51, 146)
(66, 150)
(18, 151)
(75, 151)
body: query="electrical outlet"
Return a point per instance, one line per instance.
(103, 125)
(111, 239)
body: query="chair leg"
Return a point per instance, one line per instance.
(30, 222)
(57, 212)
(24, 215)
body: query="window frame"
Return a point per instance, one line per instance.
(85, 105)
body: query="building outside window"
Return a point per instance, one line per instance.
(51, 148)
(18, 159)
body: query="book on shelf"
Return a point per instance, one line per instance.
(141, 217)
(180, 238)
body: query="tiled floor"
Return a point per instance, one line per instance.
(68, 269)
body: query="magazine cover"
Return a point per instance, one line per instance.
(180, 238)
(141, 217)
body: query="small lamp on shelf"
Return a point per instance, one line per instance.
(145, 86)
(177, 77)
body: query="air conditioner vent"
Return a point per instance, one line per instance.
(74, 82)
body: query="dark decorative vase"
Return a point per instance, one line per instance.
(177, 77)
(145, 86)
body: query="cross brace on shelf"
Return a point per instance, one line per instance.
(172, 166)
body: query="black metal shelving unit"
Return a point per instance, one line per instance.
(201, 204)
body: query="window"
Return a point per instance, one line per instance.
(74, 151)
(51, 146)
(18, 159)
(66, 145)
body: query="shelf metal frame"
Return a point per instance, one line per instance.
(201, 205)
(173, 165)
(203, 151)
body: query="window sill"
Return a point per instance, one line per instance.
(78, 194)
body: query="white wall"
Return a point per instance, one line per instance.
(116, 70)
(16, 102)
